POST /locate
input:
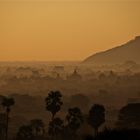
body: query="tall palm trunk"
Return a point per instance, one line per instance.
(0, 134)
(53, 115)
(7, 123)
(96, 131)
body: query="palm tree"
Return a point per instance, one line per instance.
(96, 116)
(53, 102)
(7, 103)
(38, 127)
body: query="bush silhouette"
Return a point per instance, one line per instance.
(38, 127)
(56, 127)
(96, 116)
(25, 133)
(74, 121)
(129, 116)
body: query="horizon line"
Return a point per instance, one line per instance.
(40, 61)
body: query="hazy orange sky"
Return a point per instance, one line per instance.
(52, 30)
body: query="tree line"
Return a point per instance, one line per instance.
(58, 128)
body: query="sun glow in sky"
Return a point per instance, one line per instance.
(52, 30)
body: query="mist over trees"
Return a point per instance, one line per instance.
(69, 102)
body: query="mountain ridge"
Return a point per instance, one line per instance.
(126, 52)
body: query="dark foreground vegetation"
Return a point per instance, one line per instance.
(124, 134)
(69, 126)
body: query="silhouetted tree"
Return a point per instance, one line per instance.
(55, 127)
(53, 102)
(74, 120)
(25, 133)
(96, 116)
(129, 116)
(7, 103)
(38, 127)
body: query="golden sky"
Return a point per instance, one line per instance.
(52, 30)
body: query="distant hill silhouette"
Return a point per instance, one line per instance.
(127, 52)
